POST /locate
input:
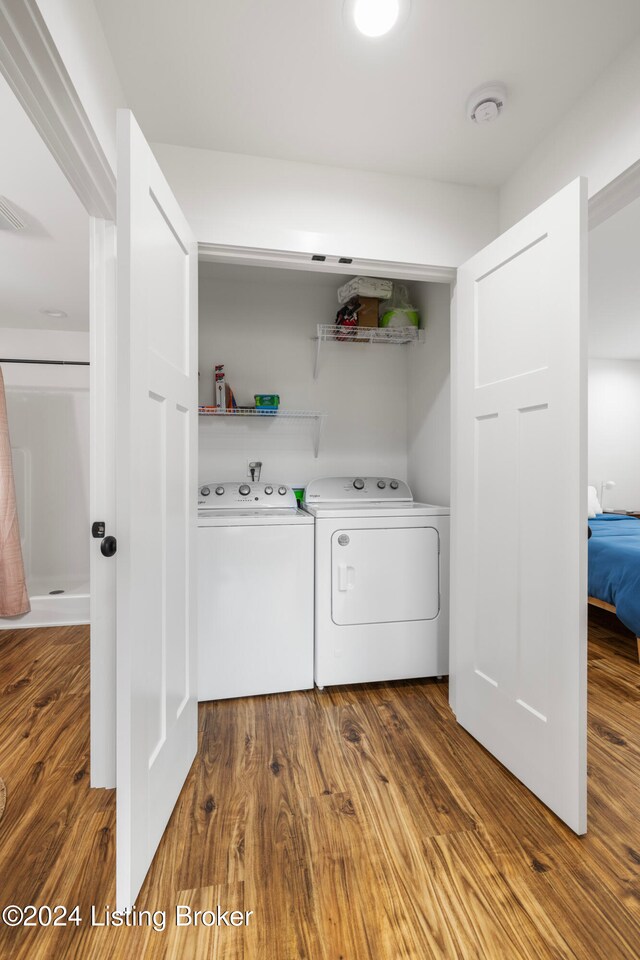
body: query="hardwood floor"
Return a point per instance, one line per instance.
(355, 823)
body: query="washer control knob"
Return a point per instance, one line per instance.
(244, 490)
(282, 491)
(268, 491)
(219, 491)
(381, 484)
(205, 491)
(358, 484)
(394, 484)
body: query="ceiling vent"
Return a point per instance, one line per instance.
(486, 103)
(9, 218)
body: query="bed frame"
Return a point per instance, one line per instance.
(610, 607)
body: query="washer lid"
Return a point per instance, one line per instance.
(342, 510)
(252, 518)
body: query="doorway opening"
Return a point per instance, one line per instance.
(614, 426)
(44, 313)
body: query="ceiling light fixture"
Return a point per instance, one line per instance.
(375, 18)
(56, 314)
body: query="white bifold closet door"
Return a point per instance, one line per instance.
(519, 530)
(156, 482)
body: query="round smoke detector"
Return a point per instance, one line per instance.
(486, 103)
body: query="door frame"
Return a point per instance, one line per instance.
(331, 263)
(102, 498)
(35, 71)
(614, 196)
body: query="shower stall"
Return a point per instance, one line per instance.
(48, 412)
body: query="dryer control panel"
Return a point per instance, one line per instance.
(357, 490)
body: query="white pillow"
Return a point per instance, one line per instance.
(594, 503)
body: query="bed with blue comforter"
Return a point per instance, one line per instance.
(614, 565)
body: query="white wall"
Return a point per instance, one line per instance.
(614, 430)
(258, 202)
(614, 286)
(429, 403)
(262, 332)
(599, 138)
(41, 345)
(77, 33)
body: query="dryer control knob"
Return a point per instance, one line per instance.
(282, 491)
(381, 484)
(244, 490)
(219, 491)
(394, 484)
(358, 484)
(268, 491)
(205, 491)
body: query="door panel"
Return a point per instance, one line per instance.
(505, 348)
(156, 484)
(384, 575)
(518, 591)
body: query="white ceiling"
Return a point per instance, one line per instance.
(614, 286)
(288, 79)
(46, 265)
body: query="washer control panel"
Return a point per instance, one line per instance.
(357, 490)
(234, 495)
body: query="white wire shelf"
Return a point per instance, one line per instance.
(263, 412)
(335, 332)
(269, 415)
(332, 331)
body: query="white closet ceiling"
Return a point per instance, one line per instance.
(44, 265)
(287, 79)
(614, 286)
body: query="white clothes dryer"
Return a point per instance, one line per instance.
(255, 591)
(382, 581)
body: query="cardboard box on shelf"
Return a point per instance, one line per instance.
(368, 312)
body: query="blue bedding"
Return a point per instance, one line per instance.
(614, 565)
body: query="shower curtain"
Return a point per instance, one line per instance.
(14, 598)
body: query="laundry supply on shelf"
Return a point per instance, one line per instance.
(397, 311)
(219, 386)
(365, 287)
(223, 396)
(267, 403)
(347, 317)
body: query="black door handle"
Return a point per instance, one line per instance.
(108, 546)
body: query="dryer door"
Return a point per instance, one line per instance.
(384, 575)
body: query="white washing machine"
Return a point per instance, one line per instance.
(255, 591)
(382, 581)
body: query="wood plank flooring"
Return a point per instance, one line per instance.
(357, 824)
